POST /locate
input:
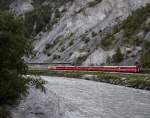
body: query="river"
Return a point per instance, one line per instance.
(76, 98)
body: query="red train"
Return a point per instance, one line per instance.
(126, 69)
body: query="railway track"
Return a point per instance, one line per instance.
(44, 66)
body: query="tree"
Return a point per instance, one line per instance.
(145, 60)
(118, 57)
(4, 4)
(13, 46)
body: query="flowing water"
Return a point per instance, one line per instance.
(75, 98)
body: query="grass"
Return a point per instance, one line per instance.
(51, 73)
(130, 80)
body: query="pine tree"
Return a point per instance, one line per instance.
(118, 57)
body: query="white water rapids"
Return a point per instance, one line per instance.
(76, 98)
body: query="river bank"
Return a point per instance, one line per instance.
(138, 81)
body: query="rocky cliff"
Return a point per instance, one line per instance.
(86, 32)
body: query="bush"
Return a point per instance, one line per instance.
(118, 57)
(48, 46)
(134, 21)
(93, 3)
(48, 54)
(62, 49)
(94, 34)
(4, 4)
(13, 46)
(55, 56)
(71, 43)
(40, 17)
(85, 38)
(134, 40)
(147, 45)
(4, 113)
(107, 41)
(145, 60)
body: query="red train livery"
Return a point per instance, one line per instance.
(125, 69)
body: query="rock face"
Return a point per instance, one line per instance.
(76, 36)
(21, 6)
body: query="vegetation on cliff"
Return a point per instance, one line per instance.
(135, 30)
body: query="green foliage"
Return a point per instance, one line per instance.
(134, 21)
(57, 3)
(4, 4)
(62, 49)
(107, 41)
(55, 56)
(94, 34)
(85, 38)
(4, 113)
(71, 43)
(57, 14)
(130, 80)
(146, 45)
(13, 46)
(145, 60)
(48, 54)
(48, 46)
(118, 57)
(37, 19)
(93, 3)
(80, 60)
(134, 40)
(41, 17)
(37, 82)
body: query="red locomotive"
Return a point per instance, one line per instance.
(125, 69)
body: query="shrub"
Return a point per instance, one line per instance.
(134, 41)
(4, 113)
(134, 21)
(107, 41)
(94, 34)
(4, 4)
(13, 46)
(48, 46)
(80, 60)
(147, 45)
(93, 3)
(62, 49)
(48, 54)
(145, 60)
(86, 40)
(55, 56)
(71, 43)
(40, 16)
(57, 14)
(70, 54)
(118, 57)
